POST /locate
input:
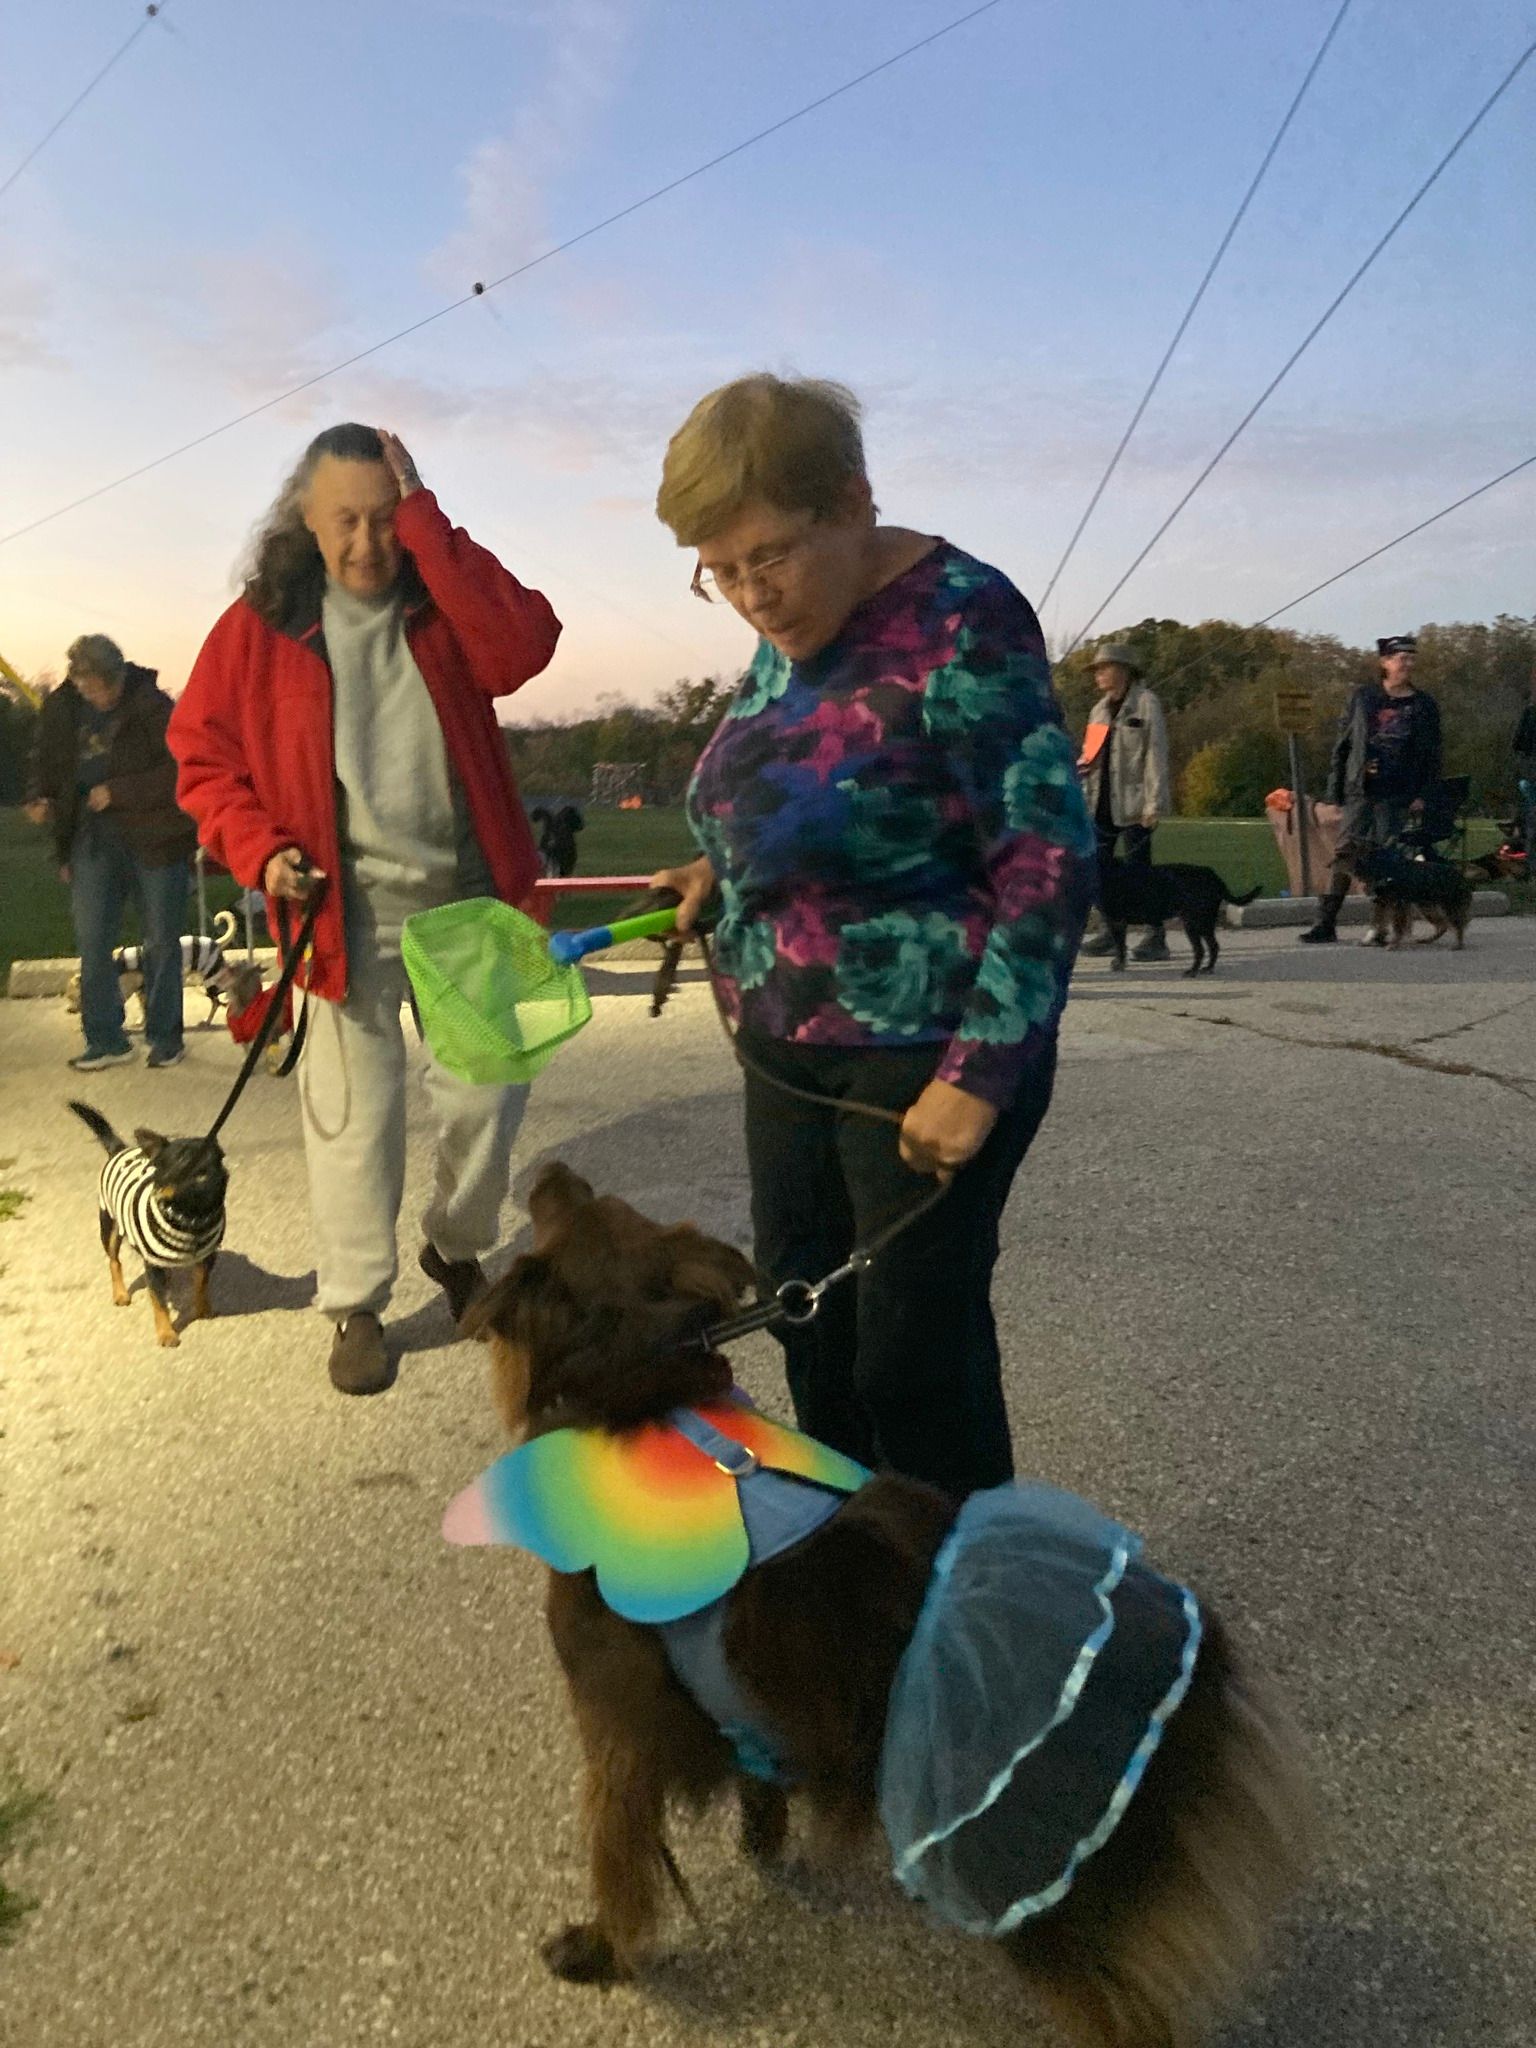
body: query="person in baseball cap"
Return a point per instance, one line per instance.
(1386, 762)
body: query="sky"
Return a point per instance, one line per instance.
(991, 242)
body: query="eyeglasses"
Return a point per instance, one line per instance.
(727, 585)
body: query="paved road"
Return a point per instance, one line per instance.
(1266, 1293)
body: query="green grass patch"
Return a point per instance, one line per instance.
(18, 1809)
(34, 903)
(12, 1202)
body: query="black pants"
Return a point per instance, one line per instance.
(1137, 839)
(900, 1369)
(1366, 823)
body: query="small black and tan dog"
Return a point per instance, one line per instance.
(1159, 1920)
(164, 1199)
(1401, 886)
(1130, 894)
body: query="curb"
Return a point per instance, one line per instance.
(1271, 911)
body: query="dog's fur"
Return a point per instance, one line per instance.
(189, 1185)
(557, 837)
(236, 983)
(1161, 1926)
(1131, 894)
(1399, 887)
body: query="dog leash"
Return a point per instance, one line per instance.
(795, 1302)
(292, 956)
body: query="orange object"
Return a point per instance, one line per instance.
(1280, 800)
(631, 803)
(1094, 738)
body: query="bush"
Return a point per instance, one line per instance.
(1230, 778)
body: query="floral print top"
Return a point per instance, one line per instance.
(902, 845)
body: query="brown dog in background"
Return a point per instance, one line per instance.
(597, 1328)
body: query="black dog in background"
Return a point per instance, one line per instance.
(1401, 885)
(557, 837)
(164, 1199)
(1131, 894)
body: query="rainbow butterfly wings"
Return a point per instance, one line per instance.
(657, 1518)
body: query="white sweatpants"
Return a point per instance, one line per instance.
(352, 1088)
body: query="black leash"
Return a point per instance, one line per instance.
(292, 956)
(796, 1302)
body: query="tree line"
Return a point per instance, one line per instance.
(1216, 682)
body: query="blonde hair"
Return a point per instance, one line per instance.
(793, 443)
(93, 654)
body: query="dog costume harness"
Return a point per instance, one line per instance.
(150, 1226)
(670, 1516)
(1046, 1661)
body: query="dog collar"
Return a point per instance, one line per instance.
(669, 1515)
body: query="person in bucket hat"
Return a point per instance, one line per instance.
(1124, 770)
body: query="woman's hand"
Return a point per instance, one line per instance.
(40, 810)
(694, 884)
(944, 1129)
(286, 876)
(401, 468)
(99, 798)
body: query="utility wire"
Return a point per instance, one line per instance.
(507, 277)
(150, 14)
(1190, 310)
(1207, 655)
(1311, 335)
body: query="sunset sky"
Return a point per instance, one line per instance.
(991, 242)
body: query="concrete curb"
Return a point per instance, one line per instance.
(1270, 911)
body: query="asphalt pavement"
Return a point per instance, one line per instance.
(1265, 1293)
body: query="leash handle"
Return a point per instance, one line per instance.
(292, 956)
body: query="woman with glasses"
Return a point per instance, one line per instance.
(891, 815)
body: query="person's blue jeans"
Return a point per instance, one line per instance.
(103, 875)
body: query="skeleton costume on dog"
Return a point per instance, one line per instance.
(149, 1226)
(1045, 1663)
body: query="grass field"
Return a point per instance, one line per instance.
(34, 904)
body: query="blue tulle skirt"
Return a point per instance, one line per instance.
(1045, 1664)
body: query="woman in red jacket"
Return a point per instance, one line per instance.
(340, 715)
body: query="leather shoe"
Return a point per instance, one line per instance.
(359, 1362)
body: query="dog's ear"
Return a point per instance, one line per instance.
(150, 1143)
(555, 1197)
(705, 1269)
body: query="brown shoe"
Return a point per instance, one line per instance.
(460, 1279)
(359, 1362)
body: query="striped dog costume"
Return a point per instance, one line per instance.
(164, 1199)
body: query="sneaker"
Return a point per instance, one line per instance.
(462, 1280)
(359, 1362)
(89, 1062)
(1319, 935)
(172, 1058)
(1153, 947)
(1097, 947)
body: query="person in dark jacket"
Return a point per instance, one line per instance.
(102, 776)
(1386, 763)
(1523, 747)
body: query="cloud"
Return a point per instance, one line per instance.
(506, 177)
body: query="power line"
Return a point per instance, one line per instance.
(1444, 513)
(150, 14)
(1192, 307)
(1311, 335)
(1208, 654)
(521, 270)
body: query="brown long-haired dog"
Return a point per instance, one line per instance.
(1163, 1923)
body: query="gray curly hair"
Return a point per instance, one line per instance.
(283, 553)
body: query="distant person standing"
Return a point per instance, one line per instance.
(1124, 770)
(1524, 748)
(1386, 763)
(102, 776)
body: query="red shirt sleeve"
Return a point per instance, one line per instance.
(506, 632)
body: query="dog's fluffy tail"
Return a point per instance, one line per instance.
(95, 1121)
(1163, 1926)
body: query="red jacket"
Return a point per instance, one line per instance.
(254, 731)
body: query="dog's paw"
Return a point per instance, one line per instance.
(1117, 967)
(170, 1341)
(582, 1954)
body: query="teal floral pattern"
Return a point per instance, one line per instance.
(902, 844)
